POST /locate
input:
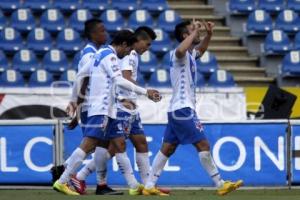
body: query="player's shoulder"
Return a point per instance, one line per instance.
(106, 54)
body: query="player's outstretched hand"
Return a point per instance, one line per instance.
(71, 109)
(209, 26)
(154, 95)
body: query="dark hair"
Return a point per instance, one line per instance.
(90, 25)
(145, 32)
(122, 36)
(180, 29)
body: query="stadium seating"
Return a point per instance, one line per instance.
(259, 21)
(39, 41)
(297, 41)
(78, 18)
(141, 80)
(3, 62)
(22, 20)
(10, 40)
(200, 80)
(160, 78)
(11, 78)
(162, 43)
(10, 5)
(40, 78)
(207, 64)
(52, 20)
(76, 59)
(241, 6)
(113, 20)
(55, 61)
(221, 78)
(95, 5)
(125, 6)
(272, 6)
(167, 20)
(69, 41)
(288, 21)
(148, 62)
(154, 6)
(66, 6)
(2, 20)
(291, 64)
(140, 18)
(277, 42)
(25, 61)
(69, 76)
(37, 5)
(293, 5)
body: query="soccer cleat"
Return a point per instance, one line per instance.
(78, 185)
(64, 188)
(153, 191)
(106, 190)
(229, 186)
(137, 191)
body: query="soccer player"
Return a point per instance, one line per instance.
(105, 75)
(183, 125)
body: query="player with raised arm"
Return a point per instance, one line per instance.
(183, 126)
(105, 75)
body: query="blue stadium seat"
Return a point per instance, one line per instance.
(154, 6)
(207, 63)
(11, 78)
(140, 18)
(141, 80)
(125, 6)
(113, 20)
(55, 61)
(95, 5)
(291, 64)
(200, 80)
(288, 21)
(2, 21)
(39, 41)
(294, 5)
(160, 78)
(241, 6)
(10, 40)
(10, 5)
(259, 21)
(148, 62)
(52, 20)
(40, 78)
(168, 19)
(76, 60)
(297, 41)
(162, 43)
(69, 41)
(3, 62)
(69, 76)
(272, 6)
(166, 62)
(221, 78)
(78, 18)
(37, 5)
(277, 42)
(25, 61)
(22, 20)
(66, 6)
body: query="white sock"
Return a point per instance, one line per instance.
(89, 168)
(101, 157)
(126, 169)
(143, 163)
(66, 162)
(75, 161)
(158, 165)
(210, 167)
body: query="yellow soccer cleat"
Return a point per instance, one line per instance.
(153, 191)
(64, 188)
(136, 191)
(229, 187)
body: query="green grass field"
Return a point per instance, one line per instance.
(279, 194)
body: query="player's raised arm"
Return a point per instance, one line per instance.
(202, 47)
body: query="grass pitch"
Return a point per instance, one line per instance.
(263, 194)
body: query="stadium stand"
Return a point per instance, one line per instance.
(140, 18)
(69, 41)
(207, 64)
(10, 40)
(272, 6)
(37, 6)
(259, 21)
(125, 6)
(221, 78)
(162, 43)
(78, 18)
(3, 62)
(160, 78)
(2, 20)
(154, 6)
(113, 20)
(277, 42)
(167, 20)
(288, 21)
(291, 64)
(22, 20)
(66, 6)
(241, 6)
(39, 41)
(95, 5)
(148, 62)
(294, 5)
(11, 78)
(40, 78)
(52, 20)
(55, 61)
(9, 5)
(25, 61)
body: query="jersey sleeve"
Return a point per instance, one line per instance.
(177, 61)
(85, 59)
(112, 66)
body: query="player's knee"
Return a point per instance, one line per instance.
(142, 147)
(168, 150)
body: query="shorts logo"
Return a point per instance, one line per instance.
(199, 126)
